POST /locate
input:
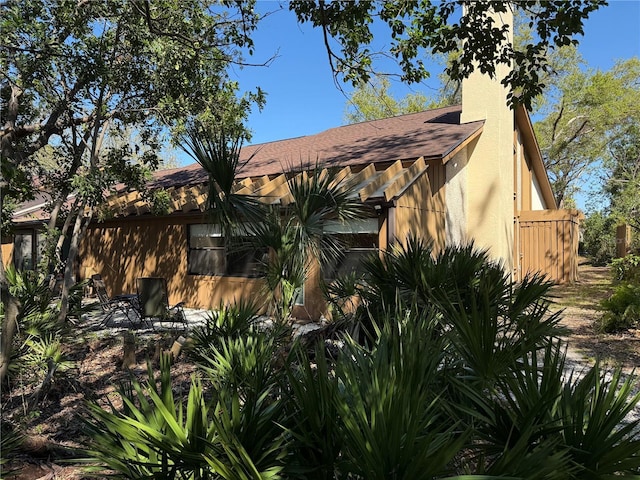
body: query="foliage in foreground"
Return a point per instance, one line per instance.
(38, 353)
(467, 382)
(622, 308)
(626, 269)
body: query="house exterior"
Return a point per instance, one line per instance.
(429, 174)
(467, 172)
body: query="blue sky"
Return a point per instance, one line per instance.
(302, 98)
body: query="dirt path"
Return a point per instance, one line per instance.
(581, 304)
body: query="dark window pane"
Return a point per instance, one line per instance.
(207, 262)
(246, 262)
(212, 254)
(350, 261)
(357, 248)
(23, 251)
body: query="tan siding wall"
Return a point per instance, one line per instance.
(421, 209)
(549, 244)
(7, 251)
(527, 182)
(124, 251)
(314, 304)
(457, 197)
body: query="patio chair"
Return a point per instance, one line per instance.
(110, 306)
(153, 302)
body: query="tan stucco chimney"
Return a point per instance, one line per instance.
(490, 170)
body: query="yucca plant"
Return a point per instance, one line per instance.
(242, 364)
(250, 434)
(235, 320)
(246, 373)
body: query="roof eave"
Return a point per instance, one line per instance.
(455, 149)
(535, 155)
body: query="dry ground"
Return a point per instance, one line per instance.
(581, 306)
(54, 427)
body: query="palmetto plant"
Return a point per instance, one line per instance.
(218, 152)
(489, 320)
(592, 410)
(393, 419)
(463, 379)
(155, 436)
(295, 237)
(39, 345)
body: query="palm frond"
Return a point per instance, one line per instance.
(219, 155)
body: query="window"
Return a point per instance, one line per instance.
(298, 296)
(360, 237)
(211, 254)
(243, 259)
(28, 246)
(206, 250)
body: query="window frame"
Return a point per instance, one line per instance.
(229, 255)
(369, 226)
(36, 248)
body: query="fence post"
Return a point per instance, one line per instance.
(623, 240)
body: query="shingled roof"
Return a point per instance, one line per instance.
(432, 134)
(429, 135)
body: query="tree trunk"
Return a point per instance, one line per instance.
(79, 228)
(9, 326)
(11, 308)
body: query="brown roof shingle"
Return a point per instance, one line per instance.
(430, 134)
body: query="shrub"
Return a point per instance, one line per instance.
(38, 350)
(622, 309)
(626, 269)
(462, 373)
(599, 238)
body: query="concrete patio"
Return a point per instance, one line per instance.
(118, 322)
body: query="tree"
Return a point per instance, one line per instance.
(420, 27)
(584, 116)
(372, 100)
(76, 74)
(622, 182)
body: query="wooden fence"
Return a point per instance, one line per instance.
(548, 243)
